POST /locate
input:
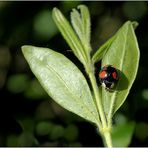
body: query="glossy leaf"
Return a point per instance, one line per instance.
(62, 80)
(123, 53)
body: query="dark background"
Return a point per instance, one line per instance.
(28, 116)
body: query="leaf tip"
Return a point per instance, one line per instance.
(54, 11)
(57, 16)
(26, 48)
(135, 24)
(82, 6)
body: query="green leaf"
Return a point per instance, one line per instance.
(123, 54)
(77, 23)
(81, 24)
(102, 50)
(69, 35)
(62, 80)
(85, 16)
(122, 134)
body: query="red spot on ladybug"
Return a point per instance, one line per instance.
(114, 74)
(102, 74)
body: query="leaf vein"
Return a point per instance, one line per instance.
(70, 91)
(120, 67)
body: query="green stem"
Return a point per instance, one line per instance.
(104, 129)
(109, 117)
(107, 136)
(98, 98)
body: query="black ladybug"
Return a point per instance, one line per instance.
(108, 76)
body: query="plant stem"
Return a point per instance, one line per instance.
(109, 117)
(107, 137)
(104, 129)
(97, 97)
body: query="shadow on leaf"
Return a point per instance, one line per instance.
(123, 81)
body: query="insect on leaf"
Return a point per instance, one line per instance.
(123, 54)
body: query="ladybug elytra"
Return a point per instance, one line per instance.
(108, 76)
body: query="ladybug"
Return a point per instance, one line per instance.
(108, 76)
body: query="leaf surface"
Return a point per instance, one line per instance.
(62, 80)
(102, 50)
(69, 35)
(123, 53)
(81, 24)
